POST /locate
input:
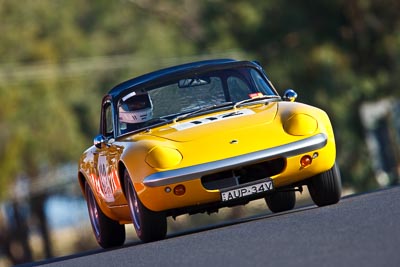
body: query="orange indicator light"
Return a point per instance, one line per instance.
(179, 190)
(305, 161)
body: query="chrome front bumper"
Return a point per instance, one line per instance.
(188, 173)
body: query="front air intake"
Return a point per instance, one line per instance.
(243, 175)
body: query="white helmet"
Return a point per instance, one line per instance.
(135, 108)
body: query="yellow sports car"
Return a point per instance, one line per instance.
(198, 137)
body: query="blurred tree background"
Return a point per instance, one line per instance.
(59, 57)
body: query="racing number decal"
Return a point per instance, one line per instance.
(107, 183)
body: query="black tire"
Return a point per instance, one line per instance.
(281, 201)
(149, 225)
(326, 188)
(108, 233)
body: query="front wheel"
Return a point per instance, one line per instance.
(149, 225)
(326, 188)
(281, 201)
(108, 233)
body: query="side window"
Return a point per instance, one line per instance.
(107, 117)
(261, 84)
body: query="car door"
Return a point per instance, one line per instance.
(106, 160)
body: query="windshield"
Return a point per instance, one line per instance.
(186, 95)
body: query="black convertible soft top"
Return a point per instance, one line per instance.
(165, 74)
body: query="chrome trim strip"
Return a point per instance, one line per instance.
(184, 174)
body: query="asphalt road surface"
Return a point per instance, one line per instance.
(361, 230)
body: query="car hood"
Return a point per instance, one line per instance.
(229, 122)
(219, 135)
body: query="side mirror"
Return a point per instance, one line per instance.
(290, 95)
(99, 141)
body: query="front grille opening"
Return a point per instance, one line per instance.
(243, 174)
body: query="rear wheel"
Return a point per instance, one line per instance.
(281, 201)
(149, 225)
(108, 233)
(326, 188)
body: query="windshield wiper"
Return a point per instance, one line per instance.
(258, 98)
(216, 106)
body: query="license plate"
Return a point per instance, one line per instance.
(248, 190)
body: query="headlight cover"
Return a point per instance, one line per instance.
(163, 157)
(300, 124)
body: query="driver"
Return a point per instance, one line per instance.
(135, 110)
